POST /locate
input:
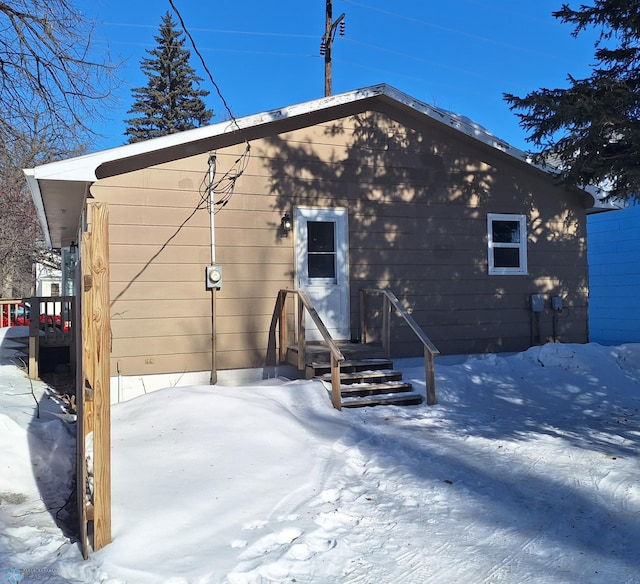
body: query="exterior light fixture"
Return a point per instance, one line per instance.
(286, 225)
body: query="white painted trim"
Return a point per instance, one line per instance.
(83, 168)
(522, 246)
(36, 195)
(340, 217)
(338, 326)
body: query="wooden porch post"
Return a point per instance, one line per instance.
(282, 317)
(430, 377)
(34, 338)
(102, 388)
(93, 394)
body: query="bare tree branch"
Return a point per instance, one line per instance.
(54, 83)
(50, 67)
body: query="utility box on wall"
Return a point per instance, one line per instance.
(213, 277)
(537, 303)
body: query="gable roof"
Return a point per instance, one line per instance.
(59, 189)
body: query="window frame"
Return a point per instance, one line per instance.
(522, 269)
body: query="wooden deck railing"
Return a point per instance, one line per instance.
(391, 301)
(305, 306)
(55, 315)
(12, 312)
(50, 322)
(55, 320)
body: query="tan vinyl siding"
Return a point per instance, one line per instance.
(161, 312)
(417, 195)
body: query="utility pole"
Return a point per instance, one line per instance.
(326, 44)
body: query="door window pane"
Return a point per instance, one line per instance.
(322, 266)
(321, 236)
(321, 259)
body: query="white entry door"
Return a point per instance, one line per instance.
(322, 269)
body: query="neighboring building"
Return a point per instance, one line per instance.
(614, 276)
(381, 191)
(48, 281)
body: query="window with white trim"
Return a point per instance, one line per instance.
(507, 237)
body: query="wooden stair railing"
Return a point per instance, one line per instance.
(391, 301)
(305, 305)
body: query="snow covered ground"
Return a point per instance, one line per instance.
(526, 471)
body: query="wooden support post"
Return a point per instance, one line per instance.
(430, 377)
(34, 338)
(301, 336)
(282, 316)
(93, 391)
(336, 394)
(363, 317)
(101, 390)
(84, 387)
(386, 327)
(84, 410)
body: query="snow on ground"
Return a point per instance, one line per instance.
(525, 472)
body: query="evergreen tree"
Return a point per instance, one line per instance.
(592, 128)
(170, 102)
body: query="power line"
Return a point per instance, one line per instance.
(204, 64)
(221, 31)
(224, 186)
(472, 36)
(220, 50)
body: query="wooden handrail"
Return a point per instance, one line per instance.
(305, 305)
(430, 350)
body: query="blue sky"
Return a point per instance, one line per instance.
(460, 55)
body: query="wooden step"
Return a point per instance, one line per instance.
(389, 399)
(317, 368)
(365, 376)
(362, 389)
(318, 352)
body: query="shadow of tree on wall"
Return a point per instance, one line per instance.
(417, 197)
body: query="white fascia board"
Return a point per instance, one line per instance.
(458, 122)
(83, 168)
(36, 195)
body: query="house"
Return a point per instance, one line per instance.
(48, 280)
(614, 276)
(369, 189)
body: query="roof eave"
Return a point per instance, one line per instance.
(85, 168)
(36, 195)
